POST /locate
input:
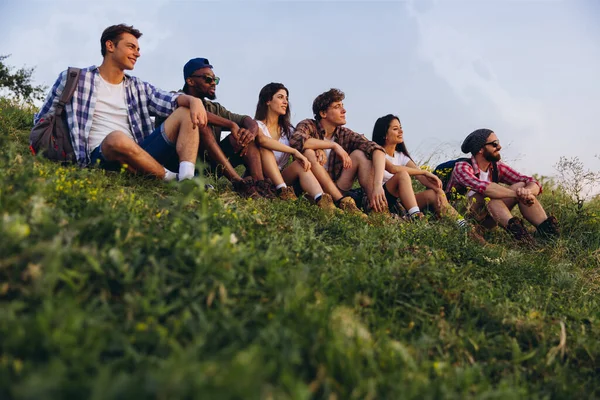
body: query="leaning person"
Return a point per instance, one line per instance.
(109, 116)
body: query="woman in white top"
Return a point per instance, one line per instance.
(388, 134)
(273, 118)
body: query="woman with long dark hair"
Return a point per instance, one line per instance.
(273, 118)
(388, 133)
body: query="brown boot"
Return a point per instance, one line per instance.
(246, 188)
(265, 189)
(348, 205)
(287, 193)
(519, 232)
(326, 202)
(549, 228)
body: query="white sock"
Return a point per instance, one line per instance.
(414, 210)
(186, 170)
(318, 196)
(461, 223)
(169, 175)
(281, 185)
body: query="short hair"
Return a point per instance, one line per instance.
(324, 100)
(114, 32)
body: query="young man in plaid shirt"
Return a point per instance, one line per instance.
(109, 114)
(338, 155)
(491, 202)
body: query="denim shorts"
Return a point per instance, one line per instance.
(157, 144)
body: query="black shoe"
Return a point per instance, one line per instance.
(549, 228)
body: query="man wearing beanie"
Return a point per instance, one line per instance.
(484, 176)
(237, 148)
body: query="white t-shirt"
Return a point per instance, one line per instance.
(327, 152)
(397, 159)
(281, 157)
(110, 113)
(484, 176)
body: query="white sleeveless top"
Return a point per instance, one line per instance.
(397, 159)
(281, 157)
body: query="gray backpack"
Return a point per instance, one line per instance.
(50, 137)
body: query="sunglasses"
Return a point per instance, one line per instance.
(208, 79)
(495, 144)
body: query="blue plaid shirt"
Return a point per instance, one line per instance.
(143, 99)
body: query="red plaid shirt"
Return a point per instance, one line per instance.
(348, 139)
(465, 177)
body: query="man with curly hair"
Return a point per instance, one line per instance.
(339, 155)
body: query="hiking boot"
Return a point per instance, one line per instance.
(348, 205)
(287, 193)
(265, 189)
(245, 188)
(326, 202)
(516, 228)
(549, 228)
(475, 236)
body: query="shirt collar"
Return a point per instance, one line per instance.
(321, 130)
(96, 70)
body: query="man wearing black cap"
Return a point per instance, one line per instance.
(237, 148)
(484, 176)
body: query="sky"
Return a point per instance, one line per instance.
(527, 69)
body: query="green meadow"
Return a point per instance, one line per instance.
(114, 286)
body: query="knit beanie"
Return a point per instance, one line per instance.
(475, 141)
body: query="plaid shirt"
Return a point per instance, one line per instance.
(143, 99)
(348, 139)
(465, 177)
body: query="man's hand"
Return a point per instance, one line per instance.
(525, 196)
(377, 199)
(321, 157)
(246, 136)
(197, 112)
(303, 160)
(345, 157)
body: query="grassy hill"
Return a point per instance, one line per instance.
(115, 286)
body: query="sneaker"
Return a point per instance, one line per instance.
(519, 232)
(287, 193)
(326, 202)
(549, 228)
(347, 204)
(246, 188)
(265, 189)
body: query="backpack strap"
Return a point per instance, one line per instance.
(495, 178)
(70, 86)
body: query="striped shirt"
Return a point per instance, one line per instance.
(465, 176)
(348, 139)
(143, 100)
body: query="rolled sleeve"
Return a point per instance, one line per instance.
(304, 130)
(511, 176)
(160, 103)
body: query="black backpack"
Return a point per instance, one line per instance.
(50, 136)
(445, 169)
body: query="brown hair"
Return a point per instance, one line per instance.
(324, 100)
(266, 94)
(114, 32)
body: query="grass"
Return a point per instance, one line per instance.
(116, 286)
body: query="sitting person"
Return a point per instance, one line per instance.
(338, 155)
(237, 148)
(388, 133)
(273, 118)
(490, 202)
(109, 114)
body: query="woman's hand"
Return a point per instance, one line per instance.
(302, 160)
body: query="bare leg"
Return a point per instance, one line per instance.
(117, 146)
(270, 167)
(400, 186)
(308, 181)
(436, 198)
(180, 130)
(533, 213)
(252, 159)
(361, 166)
(322, 176)
(209, 143)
